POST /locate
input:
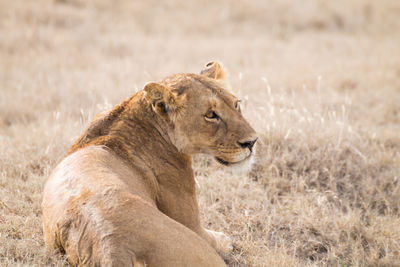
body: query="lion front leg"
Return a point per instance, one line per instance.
(183, 208)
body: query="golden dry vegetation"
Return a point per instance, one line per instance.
(320, 82)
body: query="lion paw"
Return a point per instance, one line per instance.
(223, 242)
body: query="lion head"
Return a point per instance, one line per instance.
(204, 115)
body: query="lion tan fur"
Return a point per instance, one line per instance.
(125, 195)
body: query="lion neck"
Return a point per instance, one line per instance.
(146, 135)
(141, 138)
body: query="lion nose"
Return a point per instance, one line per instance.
(248, 144)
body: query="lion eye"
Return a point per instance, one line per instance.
(237, 105)
(211, 116)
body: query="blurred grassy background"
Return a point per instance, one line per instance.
(320, 82)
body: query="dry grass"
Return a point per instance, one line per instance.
(321, 84)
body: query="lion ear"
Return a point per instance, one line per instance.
(214, 70)
(163, 101)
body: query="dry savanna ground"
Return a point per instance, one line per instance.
(320, 82)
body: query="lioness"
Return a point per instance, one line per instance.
(125, 192)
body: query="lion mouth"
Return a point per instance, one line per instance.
(223, 162)
(227, 163)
